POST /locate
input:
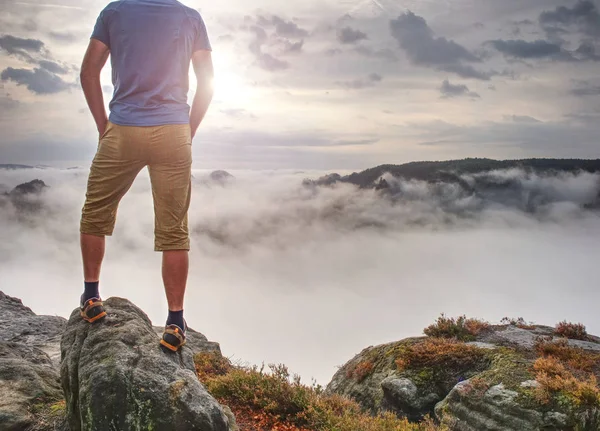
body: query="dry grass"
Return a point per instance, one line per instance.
(574, 331)
(275, 400)
(459, 328)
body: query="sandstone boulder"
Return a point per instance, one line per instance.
(116, 377)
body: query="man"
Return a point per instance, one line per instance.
(151, 44)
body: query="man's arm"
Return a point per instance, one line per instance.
(203, 68)
(93, 62)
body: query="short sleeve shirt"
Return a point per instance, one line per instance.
(151, 44)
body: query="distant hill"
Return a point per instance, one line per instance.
(448, 170)
(14, 167)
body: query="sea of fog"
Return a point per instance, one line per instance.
(282, 273)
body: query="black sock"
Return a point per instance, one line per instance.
(176, 318)
(91, 290)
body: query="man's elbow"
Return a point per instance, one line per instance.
(88, 74)
(205, 89)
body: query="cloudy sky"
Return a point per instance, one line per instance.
(333, 84)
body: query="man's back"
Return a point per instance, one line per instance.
(151, 43)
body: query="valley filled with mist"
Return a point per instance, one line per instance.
(308, 273)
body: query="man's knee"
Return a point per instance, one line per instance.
(97, 222)
(172, 246)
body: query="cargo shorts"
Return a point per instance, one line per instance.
(123, 151)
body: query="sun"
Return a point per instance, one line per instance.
(229, 86)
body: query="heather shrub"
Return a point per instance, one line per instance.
(519, 322)
(211, 364)
(556, 380)
(441, 353)
(361, 371)
(574, 331)
(281, 398)
(459, 328)
(573, 357)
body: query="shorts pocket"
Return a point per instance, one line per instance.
(106, 130)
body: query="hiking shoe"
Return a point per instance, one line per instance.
(92, 310)
(173, 338)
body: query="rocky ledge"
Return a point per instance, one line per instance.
(471, 376)
(64, 375)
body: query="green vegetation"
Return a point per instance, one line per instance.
(448, 170)
(441, 363)
(49, 415)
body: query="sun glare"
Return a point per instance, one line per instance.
(229, 86)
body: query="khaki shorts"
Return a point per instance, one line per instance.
(122, 153)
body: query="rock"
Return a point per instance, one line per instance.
(402, 395)
(231, 417)
(115, 376)
(19, 324)
(410, 393)
(485, 384)
(513, 336)
(465, 409)
(221, 177)
(32, 187)
(195, 341)
(26, 197)
(482, 345)
(530, 384)
(29, 383)
(367, 391)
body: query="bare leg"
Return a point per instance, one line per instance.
(92, 252)
(175, 266)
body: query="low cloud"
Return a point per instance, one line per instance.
(283, 28)
(384, 54)
(585, 88)
(16, 45)
(542, 49)
(522, 119)
(527, 50)
(583, 18)
(272, 38)
(54, 67)
(357, 84)
(238, 113)
(348, 35)
(38, 80)
(302, 251)
(423, 48)
(44, 79)
(449, 90)
(63, 37)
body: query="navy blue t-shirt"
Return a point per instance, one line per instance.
(151, 44)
